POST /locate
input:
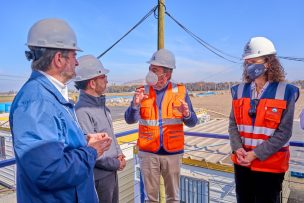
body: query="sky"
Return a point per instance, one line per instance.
(226, 25)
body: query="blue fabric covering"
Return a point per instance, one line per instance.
(53, 162)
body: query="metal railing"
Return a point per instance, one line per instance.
(8, 162)
(12, 161)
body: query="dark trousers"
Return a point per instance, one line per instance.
(107, 189)
(257, 187)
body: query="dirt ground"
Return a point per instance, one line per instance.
(219, 105)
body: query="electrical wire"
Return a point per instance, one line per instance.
(13, 76)
(217, 51)
(291, 58)
(155, 14)
(208, 46)
(137, 24)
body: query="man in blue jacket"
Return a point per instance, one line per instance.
(54, 160)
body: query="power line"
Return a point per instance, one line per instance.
(137, 24)
(204, 43)
(215, 50)
(291, 58)
(13, 76)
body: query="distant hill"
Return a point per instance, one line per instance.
(138, 82)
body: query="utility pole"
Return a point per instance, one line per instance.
(161, 24)
(160, 45)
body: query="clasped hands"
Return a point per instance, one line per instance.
(99, 141)
(245, 158)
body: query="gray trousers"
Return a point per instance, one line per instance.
(107, 189)
(153, 166)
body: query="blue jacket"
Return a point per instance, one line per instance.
(54, 163)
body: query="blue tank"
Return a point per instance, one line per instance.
(2, 107)
(8, 107)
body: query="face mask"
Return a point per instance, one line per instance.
(255, 70)
(151, 78)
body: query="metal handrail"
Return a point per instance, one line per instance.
(7, 162)
(12, 161)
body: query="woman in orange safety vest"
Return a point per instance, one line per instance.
(261, 124)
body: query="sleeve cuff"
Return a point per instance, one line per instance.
(133, 107)
(92, 151)
(188, 117)
(258, 156)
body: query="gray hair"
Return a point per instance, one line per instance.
(43, 61)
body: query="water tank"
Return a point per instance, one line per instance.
(2, 107)
(8, 107)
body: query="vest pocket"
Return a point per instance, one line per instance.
(145, 112)
(175, 110)
(273, 112)
(147, 140)
(146, 109)
(238, 110)
(175, 140)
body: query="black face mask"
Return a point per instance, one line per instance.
(255, 70)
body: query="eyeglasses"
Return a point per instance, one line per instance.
(253, 107)
(102, 76)
(255, 61)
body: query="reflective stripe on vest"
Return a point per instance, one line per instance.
(255, 130)
(280, 91)
(240, 90)
(255, 142)
(156, 123)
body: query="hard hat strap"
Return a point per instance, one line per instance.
(35, 53)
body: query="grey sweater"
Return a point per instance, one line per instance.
(94, 117)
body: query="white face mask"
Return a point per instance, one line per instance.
(151, 78)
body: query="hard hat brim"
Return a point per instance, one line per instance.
(106, 71)
(153, 62)
(54, 47)
(250, 56)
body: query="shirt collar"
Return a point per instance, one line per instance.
(254, 94)
(164, 88)
(62, 88)
(95, 101)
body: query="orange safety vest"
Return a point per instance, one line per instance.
(268, 116)
(164, 129)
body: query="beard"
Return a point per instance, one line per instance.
(68, 73)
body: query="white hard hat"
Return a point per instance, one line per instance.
(258, 46)
(89, 67)
(52, 33)
(163, 57)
